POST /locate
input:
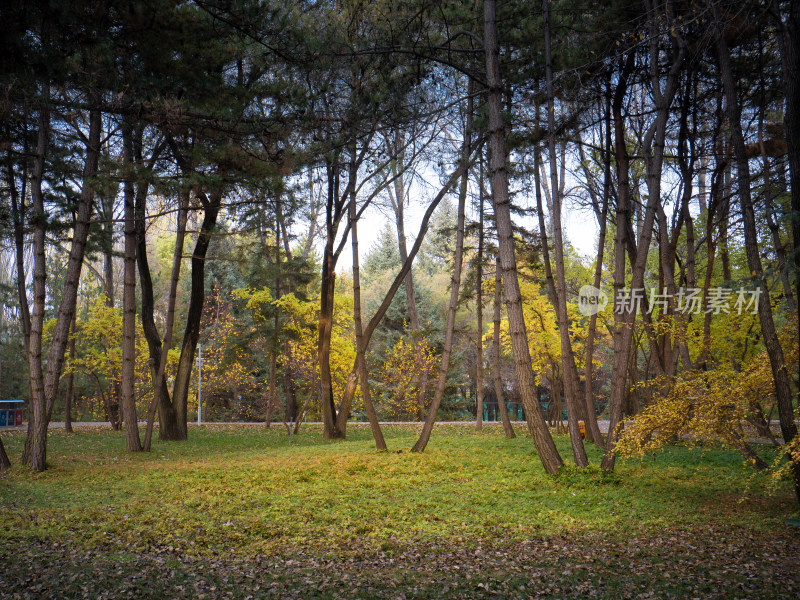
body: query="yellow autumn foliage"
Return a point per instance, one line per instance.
(720, 404)
(400, 376)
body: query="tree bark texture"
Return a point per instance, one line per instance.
(497, 377)
(43, 405)
(571, 383)
(780, 373)
(548, 454)
(132, 441)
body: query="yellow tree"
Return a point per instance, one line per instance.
(717, 404)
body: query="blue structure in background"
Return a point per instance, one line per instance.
(11, 413)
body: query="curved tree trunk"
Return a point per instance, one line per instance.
(350, 387)
(331, 430)
(180, 393)
(455, 283)
(377, 434)
(167, 423)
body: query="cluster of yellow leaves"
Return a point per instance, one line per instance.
(98, 358)
(400, 376)
(709, 405)
(544, 340)
(301, 356)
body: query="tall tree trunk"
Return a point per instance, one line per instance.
(623, 320)
(455, 283)
(327, 291)
(790, 60)
(34, 345)
(127, 384)
(167, 421)
(479, 311)
(498, 173)
(272, 402)
(783, 390)
(66, 309)
(377, 434)
(601, 212)
(571, 384)
(180, 394)
(508, 429)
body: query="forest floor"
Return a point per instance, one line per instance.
(244, 513)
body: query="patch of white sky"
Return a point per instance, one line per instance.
(579, 221)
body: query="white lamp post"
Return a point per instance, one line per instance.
(199, 383)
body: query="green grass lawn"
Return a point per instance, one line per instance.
(243, 511)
